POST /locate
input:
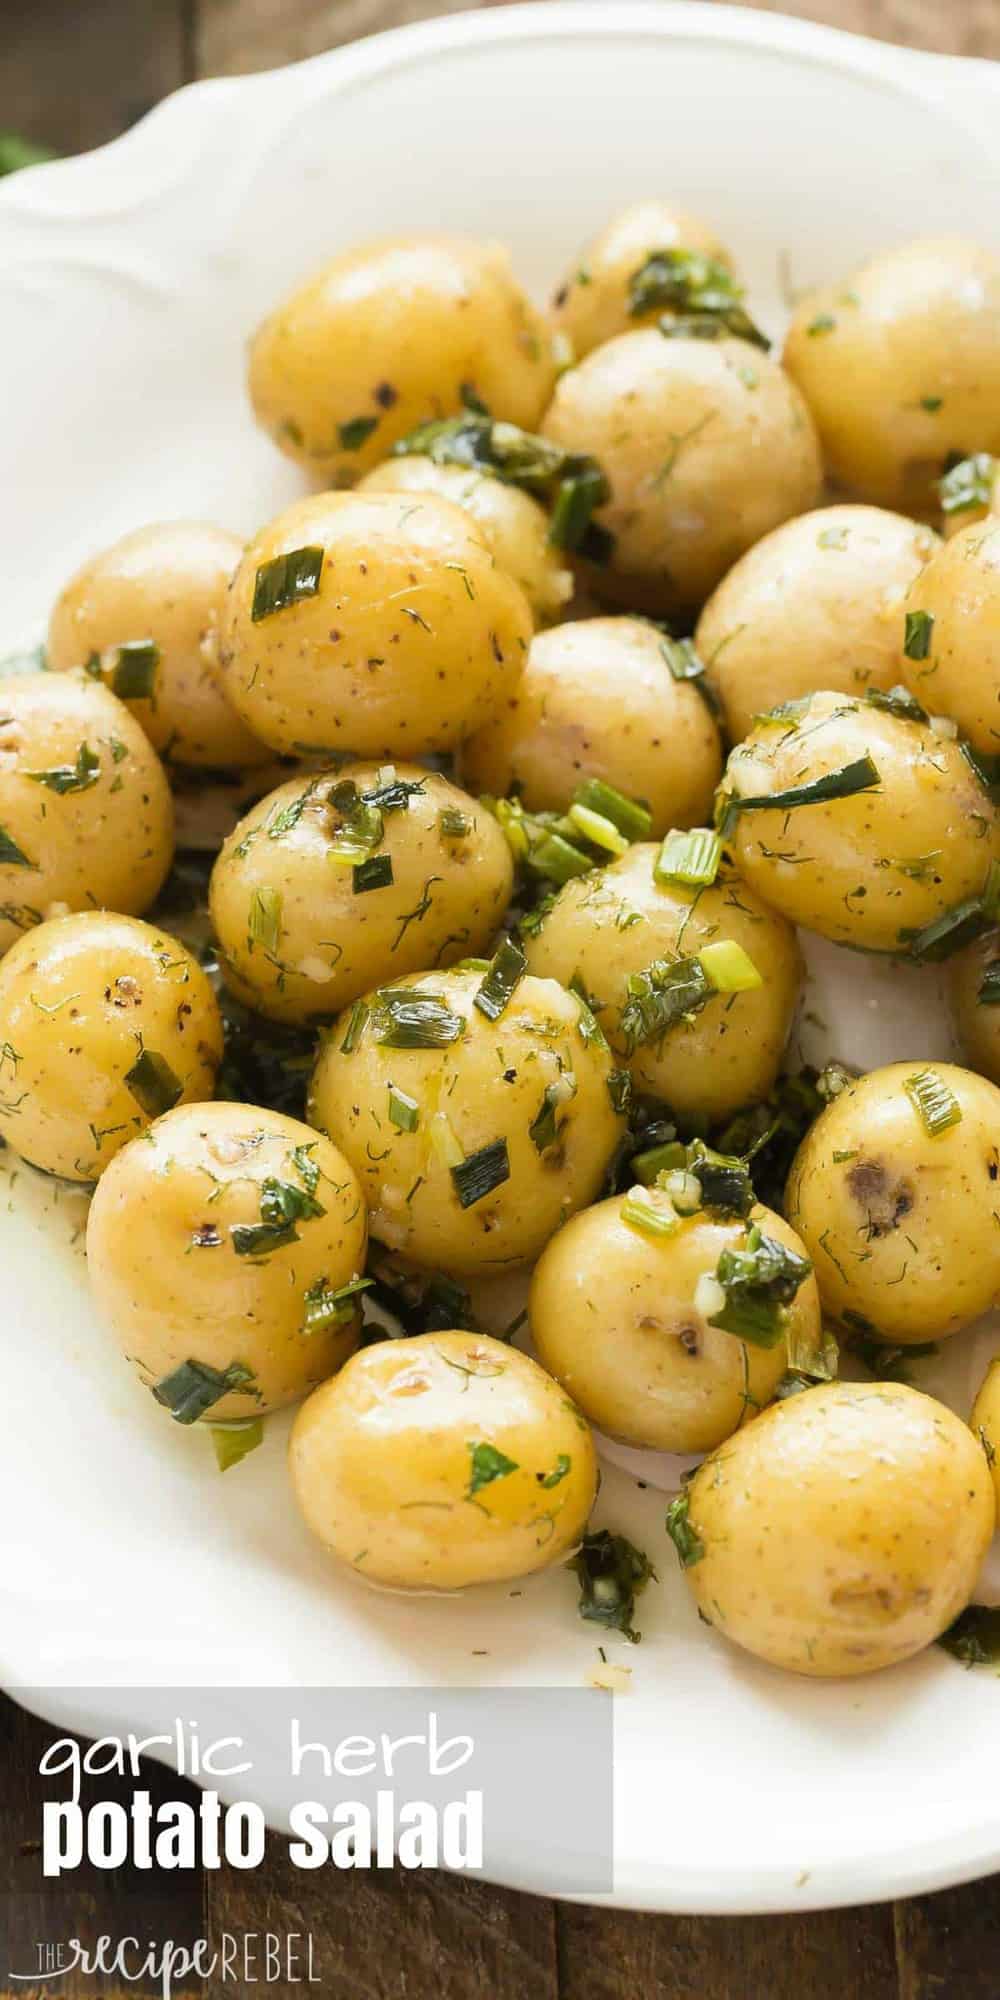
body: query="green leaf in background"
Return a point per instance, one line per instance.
(16, 152)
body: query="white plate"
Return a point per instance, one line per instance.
(128, 282)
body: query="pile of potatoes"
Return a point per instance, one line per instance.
(609, 649)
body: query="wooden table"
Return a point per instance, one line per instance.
(75, 74)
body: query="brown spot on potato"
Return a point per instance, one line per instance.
(885, 1199)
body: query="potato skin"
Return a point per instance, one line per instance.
(984, 1422)
(411, 639)
(903, 1228)
(416, 323)
(843, 1530)
(591, 303)
(445, 900)
(165, 582)
(900, 366)
(169, 1204)
(960, 589)
(513, 524)
(707, 445)
(867, 869)
(817, 603)
(81, 999)
(613, 1319)
(488, 1085)
(598, 700)
(109, 841)
(383, 1468)
(977, 1023)
(728, 1054)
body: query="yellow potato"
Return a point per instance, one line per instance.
(707, 445)
(402, 637)
(817, 604)
(975, 1003)
(872, 867)
(415, 326)
(597, 699)
(513, 524)
(985, 1422)
(842, 1531)
(105, 1023)
(86, 817)
(222, 1240)
(591, 304)
(902, 1220)
(443, 1461)
(300, 938)
(616, 922)
(959, 672)
(160, 589)
(614, 1319)
(900, 366)
(532, 1090)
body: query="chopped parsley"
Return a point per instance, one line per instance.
(487, 1463)
(76, 777)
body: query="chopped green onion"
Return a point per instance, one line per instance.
(600, 831)
(355, 1027)
(356, 432)
(487, 1463)
(969, 484)
(77, 777)
(660, 997)
(648, 1213)
(404, 1111)
(956, 927)
(375, 873)
(152, 1083)
(405, 1018)
(454, 825)
(327, 1306)
(477, 1176)
(611, 1573)
(558, 860)
(861, 775)
(507, 969)
(686, 1540)
(195, 1387)
(729, 967)
(918, 630)
(630, 816)
(133, 676)
(445, 1142)
(588, 1025)
(989, 986)
(899, 701)
(264, 921)
(619, 1082)
(692, 858)
(12, 856)
(938, 1106)
(235, 1441)
(759, 1281)
(701, 288)
(543, 1131)
(392, 794)
(577, 497)
(286, 580)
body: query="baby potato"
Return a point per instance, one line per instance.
(592, 304)
(985, 1422)
(441, 1461)
(614, 1319)
(866, 867)
(255, 1230)
(473, 1138)
(900, 367)
(895, 1192)
(707, 445)
(305, 926)
(616, 922)
(974, 982)
(951, 661)
(597, 699)
(86, 816)
(105, 1023)
(512, 523)
(144, 612)
(416, 327)
(818, 603)
(371, 623)
(841, 1531)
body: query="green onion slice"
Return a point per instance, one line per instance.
(133, 676)
(969, 484)
(477, 1176)
(403, 1018)
(938, 1106)
(918, 632)
(195, 1387)
(286, 580)
(649, 1213)
(235, 1441)
(691, 858)
(507, 968)
(264, 919)
(630, 816)
(861, 775)
(899, 701)
(404, 1111)
(326, 1305)
(729, 967)
(11, 855)
(686, 1540)
(152, 1083)
(375, 873)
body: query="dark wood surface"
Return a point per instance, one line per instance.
(75, 72)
